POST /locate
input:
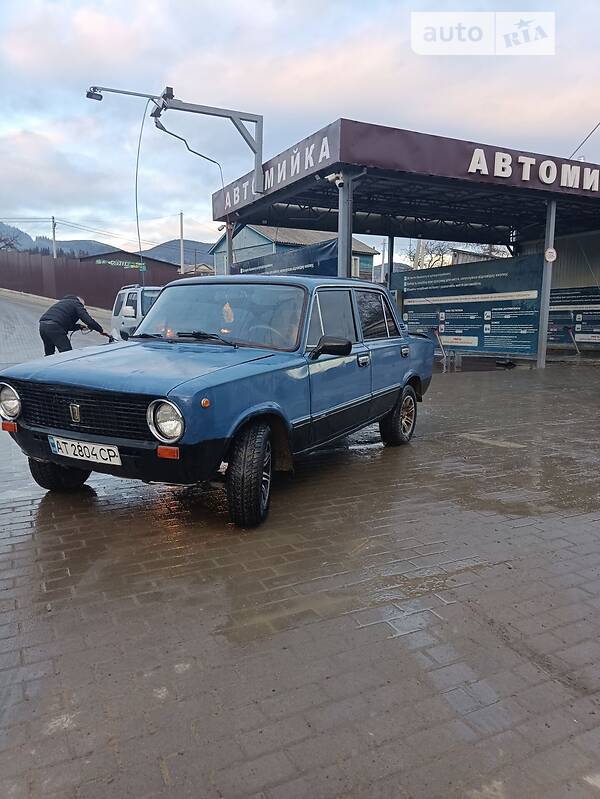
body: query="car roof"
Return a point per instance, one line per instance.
(279, 280)
(134, 286)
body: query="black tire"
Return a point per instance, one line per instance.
(399, 425)
(249, 475)
(53, 477)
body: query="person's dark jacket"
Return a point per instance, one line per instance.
(68, 312)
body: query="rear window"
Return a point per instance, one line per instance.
(148, 299)
(118, 303)
(132, 301)
(375, 316)
(372, 318)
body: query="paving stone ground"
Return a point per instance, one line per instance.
(416, 622)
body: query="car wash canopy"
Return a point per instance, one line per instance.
(413, 184)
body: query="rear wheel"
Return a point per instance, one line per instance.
(249, 475)
(399, 425)
(53, 477)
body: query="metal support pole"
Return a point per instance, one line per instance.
(181, 254)
(390, 265)
(546, 285)
(574, 340)
(53, 238)
(229, 235)
(345, 190)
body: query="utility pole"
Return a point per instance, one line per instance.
(181, 258)
(383, 245)
(418, 259)
(53, 238)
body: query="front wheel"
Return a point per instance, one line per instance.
(53, 477)
(249, 475)
(399, 425)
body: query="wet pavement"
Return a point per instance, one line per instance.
(414, 622)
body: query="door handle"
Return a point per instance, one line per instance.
(363, 360)
(405, 351)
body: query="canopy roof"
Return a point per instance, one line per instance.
(415, 184)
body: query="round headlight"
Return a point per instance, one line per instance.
(165, 421)
(10, 402)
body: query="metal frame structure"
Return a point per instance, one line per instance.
(167, 101)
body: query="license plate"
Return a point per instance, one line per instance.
(85, 451)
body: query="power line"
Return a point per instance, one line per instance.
(83, 228)
(110, 234)
(592, 131)
(97, 231)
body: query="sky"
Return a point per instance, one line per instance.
(301, 63)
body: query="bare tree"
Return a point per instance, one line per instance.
(491, 250)
(433, 253)
(439, 253)
(8, 240)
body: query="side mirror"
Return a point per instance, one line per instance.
(128, 312)
(331, 345)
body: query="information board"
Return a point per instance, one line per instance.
(313, 259)
(574, 312)
(486, 306)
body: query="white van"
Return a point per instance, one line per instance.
(131, 305)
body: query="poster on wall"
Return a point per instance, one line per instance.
(483, 307)
(575, 314)
(313, 259)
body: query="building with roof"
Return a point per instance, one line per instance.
(128, 260)
(198, 270)
(253, 241)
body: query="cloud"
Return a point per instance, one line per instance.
(301, 64)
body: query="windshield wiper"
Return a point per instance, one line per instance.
(199, 335)
(145, 335)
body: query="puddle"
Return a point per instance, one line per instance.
(493, 442)
(431, 582)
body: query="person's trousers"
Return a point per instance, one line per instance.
(54, 337)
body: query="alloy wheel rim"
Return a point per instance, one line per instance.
(407, 415)
(265, 485)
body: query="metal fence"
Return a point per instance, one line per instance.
(96, 283)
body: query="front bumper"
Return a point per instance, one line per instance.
(197, 462)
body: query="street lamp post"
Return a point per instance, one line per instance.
(167, 101)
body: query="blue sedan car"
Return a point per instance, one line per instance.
(246, 372)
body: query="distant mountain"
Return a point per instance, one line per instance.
(75, 247)
(22, 240)
(194, 252)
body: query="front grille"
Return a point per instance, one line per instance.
(104, 413)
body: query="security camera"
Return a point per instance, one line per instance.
(92, 94)
(336, 178)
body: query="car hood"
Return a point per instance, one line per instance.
(148, 367)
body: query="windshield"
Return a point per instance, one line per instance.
(250, 314)
(148, 299)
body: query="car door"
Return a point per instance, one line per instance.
(340, 387)
(388, 347)
(129, 323)
(115, 321)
